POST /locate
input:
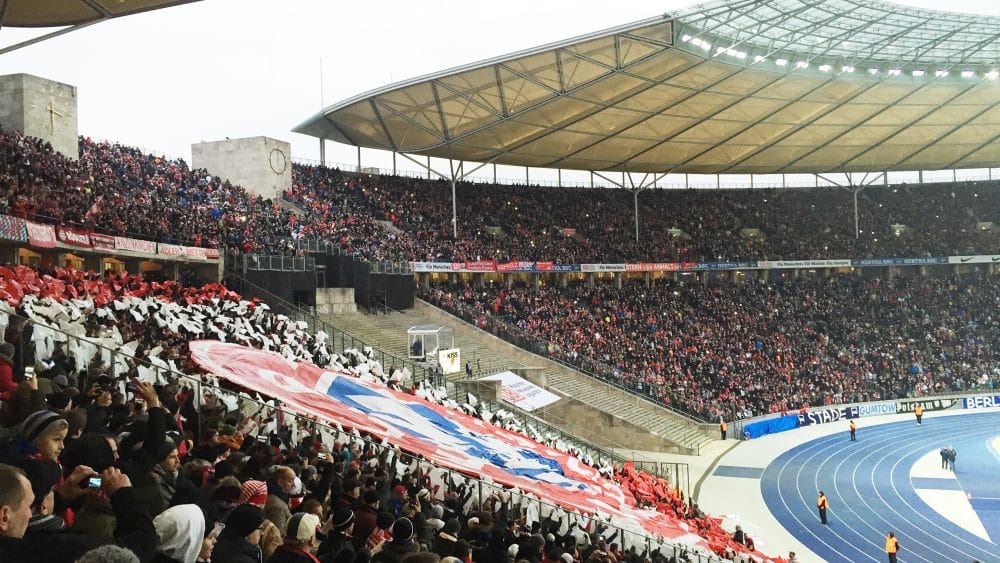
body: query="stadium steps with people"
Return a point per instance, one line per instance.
(591, 397)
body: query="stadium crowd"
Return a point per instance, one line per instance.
(577, 225)
(747, 348)
(120, 190)
(119, 453)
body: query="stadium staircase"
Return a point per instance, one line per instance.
(588, 397)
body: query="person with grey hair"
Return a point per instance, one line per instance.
(108, 554)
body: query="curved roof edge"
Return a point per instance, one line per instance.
(300, 128)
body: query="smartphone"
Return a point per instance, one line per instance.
(29, 372)
(219, 526)
(94, 483)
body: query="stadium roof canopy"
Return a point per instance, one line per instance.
(51, 13)
(744, 86)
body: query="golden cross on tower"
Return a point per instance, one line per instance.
(52, 116)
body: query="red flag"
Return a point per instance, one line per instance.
(94, 209)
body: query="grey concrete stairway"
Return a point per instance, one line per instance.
(388, 332)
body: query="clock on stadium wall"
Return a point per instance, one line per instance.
(278, 161)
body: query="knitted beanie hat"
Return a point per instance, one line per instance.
(39, 423)
(253, 492)
(343, 517)
(302, 526)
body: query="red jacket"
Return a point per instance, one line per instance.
(7, 385)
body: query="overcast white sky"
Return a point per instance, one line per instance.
(239, 68)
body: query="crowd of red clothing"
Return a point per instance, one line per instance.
(748, 348)
(120, 190)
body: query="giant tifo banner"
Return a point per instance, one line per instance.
(445, 437)
(520, 392)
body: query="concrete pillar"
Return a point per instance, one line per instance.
(763, 274)
(508, 280)
(923, 271)
(648, 277)
(890, 273)
(591, 279)
(703, 277)
(563, 281)
(453, 278)
(618, 280)
(478, 280)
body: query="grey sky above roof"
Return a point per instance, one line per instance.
(741, 87)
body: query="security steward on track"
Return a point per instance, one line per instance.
(891, 547)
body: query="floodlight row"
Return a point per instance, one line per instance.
(845, 69)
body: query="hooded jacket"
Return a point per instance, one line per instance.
(180, 530)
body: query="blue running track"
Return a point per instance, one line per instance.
(870, 492)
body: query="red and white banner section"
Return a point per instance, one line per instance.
(445, 437)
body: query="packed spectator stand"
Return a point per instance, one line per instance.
(738, 350)
(596, 225)
(119, 190)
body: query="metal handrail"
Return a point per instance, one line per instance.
(272, 263)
